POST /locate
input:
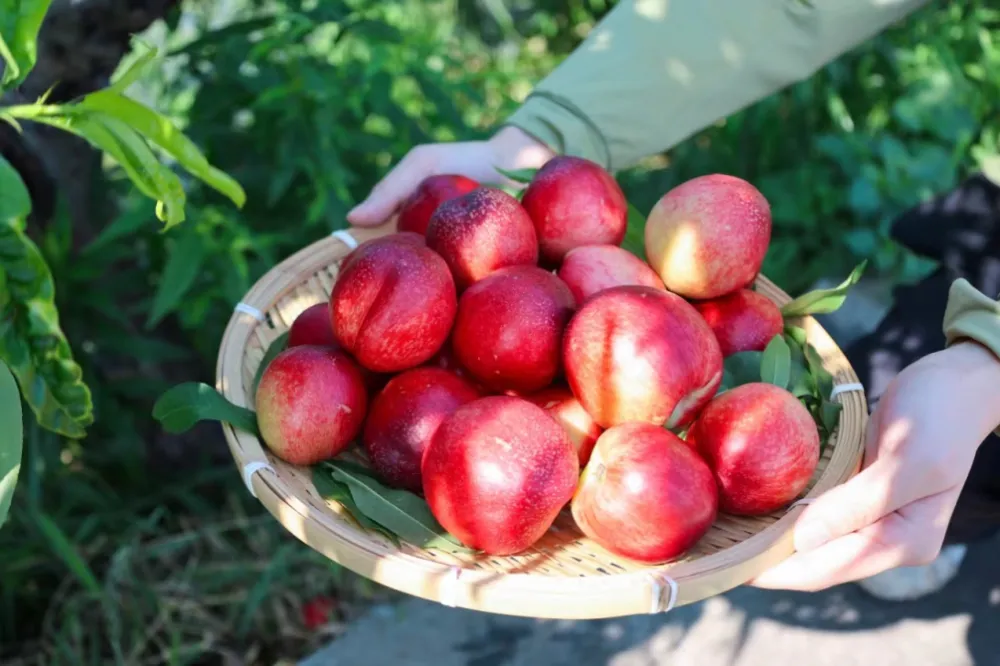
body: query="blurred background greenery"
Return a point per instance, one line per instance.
(137, 547)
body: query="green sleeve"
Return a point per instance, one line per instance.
(971, 315)
(654, 72)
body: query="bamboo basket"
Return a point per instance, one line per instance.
(565, 575)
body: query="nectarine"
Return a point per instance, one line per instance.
(497, 473)
(416, 211)
(310, 404)
(641, 354)
(742, 321)
(592, 268)
(762, 445)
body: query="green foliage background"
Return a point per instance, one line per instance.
(306, 105)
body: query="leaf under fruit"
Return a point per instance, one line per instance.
(823, 301)
(340, 492)
(180, 408)
(403, 513)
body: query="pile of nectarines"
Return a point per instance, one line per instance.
(505, 358)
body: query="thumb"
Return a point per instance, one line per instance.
(388, 194)
(847, 508)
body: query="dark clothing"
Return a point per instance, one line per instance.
(960, 229)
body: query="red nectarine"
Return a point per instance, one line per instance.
(509, 328)
(416, 211)
(574, 202)
(590, 269)
(708, 236)
(393, 304)
(762, 445)
(480, 232)
(497, 473)
(404, 417)
(645, 494)
(310, 404)
(641, 354)
(742, 321)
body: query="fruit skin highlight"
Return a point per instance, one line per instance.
(481, 232)
(590, 269)
(742, 321)
(393, 304)
(572, 202)
(761, 444)
(498, 472)
(641, 354)
(708, 236)
(404, 417)
(416, 211)
(645, 494)
(509, 328)
(310, 404)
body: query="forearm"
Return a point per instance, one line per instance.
(655, 71)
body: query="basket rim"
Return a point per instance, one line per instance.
(704, 576)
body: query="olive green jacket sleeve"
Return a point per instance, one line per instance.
(653, 72)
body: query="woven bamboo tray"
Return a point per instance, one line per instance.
(565, 575)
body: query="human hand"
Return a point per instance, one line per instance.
(921, 441)
(508, 149)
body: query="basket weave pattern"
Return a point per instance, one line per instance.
(565, 575)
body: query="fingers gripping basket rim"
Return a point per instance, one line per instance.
(571, 578)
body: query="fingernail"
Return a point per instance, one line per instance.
(810, 535)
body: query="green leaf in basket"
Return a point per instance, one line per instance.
(184, 405)
(278, 346)
(776, 362)
(403, 513)
(823, 301)
(341, 493)
(829, 414)
(740, 368)
(821, 376)
(795, 334)
(800, 381)
(518, 175)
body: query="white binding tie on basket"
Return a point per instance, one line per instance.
(249, 310)
(449, 588)
(659, 580)
(845, 388)
(345, 237)
(252, 468)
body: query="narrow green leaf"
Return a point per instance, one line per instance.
(776, 363)
(133, 66)
(160, 131)
(635, 233)
(64, 549)
(796, 334)
(184, 405)
(800, 381)
(403, 513)
(829, 413)
(821, 376)
(19, 26)
(341, 493)
(823, 301)
(11, 439)
(518, 175)
(740, 368)
(278, 346)
(182, 269)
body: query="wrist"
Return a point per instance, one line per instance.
(980, 368)
(516, 149)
